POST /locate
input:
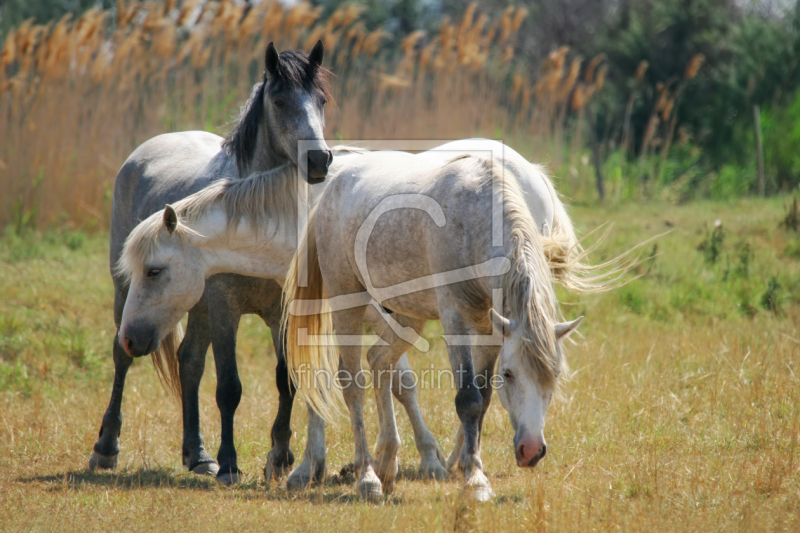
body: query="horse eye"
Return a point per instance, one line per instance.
(153, 272)
(508, 376)
(324, 101)
(280, 103)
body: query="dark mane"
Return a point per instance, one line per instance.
(294, 72)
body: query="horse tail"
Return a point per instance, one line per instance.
(311, 354)
(165, 361)
(569, 261)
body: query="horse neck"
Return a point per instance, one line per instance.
(261, 249)
(265, 157)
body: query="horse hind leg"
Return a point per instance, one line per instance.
(349, 323)
(312, 468)
(404, 388)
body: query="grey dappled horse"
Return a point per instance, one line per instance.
(286, 107)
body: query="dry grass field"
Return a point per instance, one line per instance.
(683, 414)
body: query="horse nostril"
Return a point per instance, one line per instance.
(330, 158)
(544, 451)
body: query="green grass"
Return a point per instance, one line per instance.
(683, 413)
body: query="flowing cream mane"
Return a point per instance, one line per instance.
(256, 198)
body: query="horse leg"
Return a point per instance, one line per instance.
(469, 402)
(404, 388)
(192, 359)
(312, 468)
(106, 449)
(280, 458)
(349, 323)
(382, 361)
(483, 359)
(224, 322)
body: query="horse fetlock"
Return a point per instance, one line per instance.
(386, 467)
(279, 463)
(431, 468)
(104, 462)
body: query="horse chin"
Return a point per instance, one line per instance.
(315, 180)
(531, 464)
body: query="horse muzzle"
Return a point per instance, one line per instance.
(139, 340)
(529, 450)
(319, 161)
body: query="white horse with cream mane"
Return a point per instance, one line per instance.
(459, 242)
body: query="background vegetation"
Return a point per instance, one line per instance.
(655, 97)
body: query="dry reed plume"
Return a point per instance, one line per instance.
(77, 96)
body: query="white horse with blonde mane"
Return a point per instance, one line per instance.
(461, 243)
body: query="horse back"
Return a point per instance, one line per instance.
(163, 170)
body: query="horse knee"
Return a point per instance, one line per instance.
(229, 393)
(469, 404)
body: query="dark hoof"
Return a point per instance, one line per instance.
(229, 478)
(104, 462)
(278, 465)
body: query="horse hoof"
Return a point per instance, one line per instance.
(229, 478)
(436, 472)
(274, 471)
(206, 469)
(104, 462)
(370, 489)
(298, 480)
(480, 494)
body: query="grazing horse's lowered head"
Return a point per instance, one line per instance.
(285, 109)
(526, 395)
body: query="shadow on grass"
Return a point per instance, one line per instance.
(142, 478)
(251, 489)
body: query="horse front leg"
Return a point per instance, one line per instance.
(280, 458)
(469, 405)
(483, 360)
(224, 324)
(192, 359)
(106, 449)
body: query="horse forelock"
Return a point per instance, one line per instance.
(295, 71)
(254, 199)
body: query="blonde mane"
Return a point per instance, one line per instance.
(530, 295)
(254, 198)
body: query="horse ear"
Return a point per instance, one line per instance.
(170, 219)
(271, 60)
(500, 323)
(564, 329)
(317, 53)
